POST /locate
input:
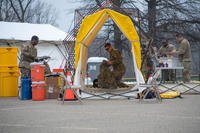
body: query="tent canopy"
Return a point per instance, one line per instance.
(24, 31)
(89, 29)
(20, 34)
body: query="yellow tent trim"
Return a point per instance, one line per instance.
(93, 23)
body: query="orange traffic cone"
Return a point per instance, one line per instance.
(69, 93)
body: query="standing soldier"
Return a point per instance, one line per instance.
(28, 55)
(184, 53)
(117, 64)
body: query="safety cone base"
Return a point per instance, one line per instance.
(69, 95)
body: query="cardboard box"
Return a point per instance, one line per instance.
(53, 86)
(52, 80)
(52, 92)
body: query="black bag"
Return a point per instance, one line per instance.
(150, 94)
(95, 83)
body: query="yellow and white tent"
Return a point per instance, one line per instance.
(88, 30)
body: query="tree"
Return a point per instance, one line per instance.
(151, 16)
(6, 12)
(32, 11)
(169, 17)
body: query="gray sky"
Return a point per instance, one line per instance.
(65, 9)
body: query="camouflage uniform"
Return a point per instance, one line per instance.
(166, 52)
(184, 53)
(106, 77)
(119, 68)
(28, 55)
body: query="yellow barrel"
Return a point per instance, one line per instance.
(9, 84)
(9, 69)
(8, 56)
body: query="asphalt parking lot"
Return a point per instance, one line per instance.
(97, 116)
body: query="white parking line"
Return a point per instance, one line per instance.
(46, 126)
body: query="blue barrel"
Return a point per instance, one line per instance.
(26, 89)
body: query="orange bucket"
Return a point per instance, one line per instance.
(38, 91)
(37, 72)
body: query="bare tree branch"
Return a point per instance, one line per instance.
(15, 10)
(32, 11)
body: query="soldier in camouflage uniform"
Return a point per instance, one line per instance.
(28, 55)
(116, 61)
(166, 51)
(106, 77)
(184, 53)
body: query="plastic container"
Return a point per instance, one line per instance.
(9, 84)
(8, 56)
(38, 91)
(26, 90)
(37, 72)
(9, 69)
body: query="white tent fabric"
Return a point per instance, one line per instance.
(57, 60)
(20, 34)
(24, 31)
